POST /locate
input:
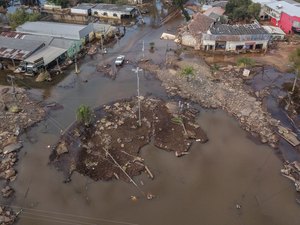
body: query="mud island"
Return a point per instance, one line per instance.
(109, 147)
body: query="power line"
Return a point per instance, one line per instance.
(54, 219)
(69, 215)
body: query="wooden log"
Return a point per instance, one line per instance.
(149, 172)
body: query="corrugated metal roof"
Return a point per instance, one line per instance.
(282, 6)
(49, 54)
(257, 37)
(273, 30)
(245, 29)
(62, 43)
(63, 30)
(102, 27)
(14, 48)
(45, 39)
(12, 34)
(114, 7)
(85, 6)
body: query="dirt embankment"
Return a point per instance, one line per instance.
(110, 147)
(276, 56)
(224, 90)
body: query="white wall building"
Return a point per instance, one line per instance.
(113, 11)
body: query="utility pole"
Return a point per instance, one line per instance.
(137, 70)
(12, 80)
(101, 43)
(76, 66)
(143, 49)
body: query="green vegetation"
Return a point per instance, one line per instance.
(242, 10)
(84, 115)
(62, 3)
(214, 68)
(245, 62)
(177, 120)
(295, 59)
(188, 72)
(20, 16)
(180, 4)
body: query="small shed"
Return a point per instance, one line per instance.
(276, 32)
(45, 56)
(106, 30)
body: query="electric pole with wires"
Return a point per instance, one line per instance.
(137, 70)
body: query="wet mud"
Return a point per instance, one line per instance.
(109, 147)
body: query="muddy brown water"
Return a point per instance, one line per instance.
(203, 187)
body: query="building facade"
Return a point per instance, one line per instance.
(235, 38)
(284, 15)
(112, 11)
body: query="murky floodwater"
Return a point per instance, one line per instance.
(201, 188)
(273, 79)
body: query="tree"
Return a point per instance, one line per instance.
(295, 59)
(20, 16)
(62, 3)
(242, 9)
(179, 4)
(84, 115)
(254, 10)
(188, 72)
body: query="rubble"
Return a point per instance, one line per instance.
(19, 113)
(109, 149)
(292, 172)
(222, 89)
(7, 216)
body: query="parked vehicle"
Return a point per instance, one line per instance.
(119, 60)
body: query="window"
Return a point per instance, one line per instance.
(104, 14)
(115, 15)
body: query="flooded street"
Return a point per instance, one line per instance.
(203, 187)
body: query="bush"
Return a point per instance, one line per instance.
(245, 62)
(20, 16)
(84, 114)
(188, 72)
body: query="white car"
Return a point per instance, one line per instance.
(119, 60)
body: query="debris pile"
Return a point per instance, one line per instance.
(110, 147)
(17, 112)
(292, 172)
(222, 89)
(7, 216)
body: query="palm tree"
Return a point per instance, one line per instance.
(295, 59)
